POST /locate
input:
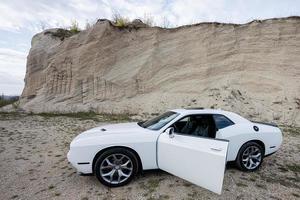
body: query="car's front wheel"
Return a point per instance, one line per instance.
(116, 167)
(250, 156)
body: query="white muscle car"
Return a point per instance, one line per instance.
(193, 144)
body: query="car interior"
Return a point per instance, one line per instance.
(196, 125)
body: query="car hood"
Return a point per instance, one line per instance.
(110, 129)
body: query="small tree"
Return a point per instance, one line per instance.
(166, 23)
(148, 19)
(43, 25)
(74, 28)
(87, 25)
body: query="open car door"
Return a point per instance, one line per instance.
(196, 159)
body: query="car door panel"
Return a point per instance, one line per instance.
(198, 160)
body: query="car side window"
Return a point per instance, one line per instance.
(222, 122)
(196, 125)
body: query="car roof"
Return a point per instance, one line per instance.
(232, 116)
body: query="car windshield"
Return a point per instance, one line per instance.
(158, 122)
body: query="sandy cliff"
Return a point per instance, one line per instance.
(252, 69)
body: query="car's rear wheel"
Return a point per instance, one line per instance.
(116, 167)
(250, 157)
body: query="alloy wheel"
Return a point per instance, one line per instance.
(116, 168)
(251, 157)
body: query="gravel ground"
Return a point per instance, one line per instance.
(33, 165)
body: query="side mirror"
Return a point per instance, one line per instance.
(170, 132)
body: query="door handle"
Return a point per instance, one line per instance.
(216, 149)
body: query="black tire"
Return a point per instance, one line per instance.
(119, 151)
(239, 159)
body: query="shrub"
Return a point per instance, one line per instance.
(61, 34)
(7, 101)
(74, 28)
(119, 20)
(16, 105)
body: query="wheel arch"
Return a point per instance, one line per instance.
(140, 166)
(259, 142)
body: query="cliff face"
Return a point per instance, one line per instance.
(252, 69)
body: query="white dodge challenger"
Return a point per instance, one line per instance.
(193, 144)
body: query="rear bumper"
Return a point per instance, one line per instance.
(81, 167)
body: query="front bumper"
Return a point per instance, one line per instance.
(81, 167)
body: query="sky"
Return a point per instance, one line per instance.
(21, 19)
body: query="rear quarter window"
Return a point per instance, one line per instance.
(222, 122)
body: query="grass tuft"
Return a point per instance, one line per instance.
(239, 184)
(63, 33)
(293, 167)
(97, 117)
(291, 130)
